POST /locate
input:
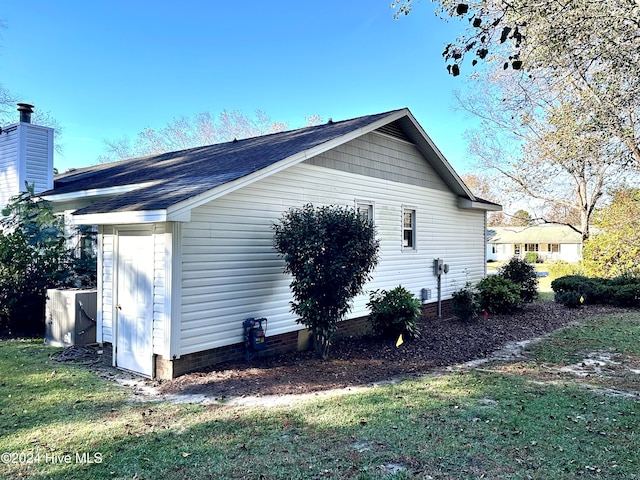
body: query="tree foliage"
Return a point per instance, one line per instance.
(34, 256)
(521, 218)
(484, 186)
(590, 48)
(615, 250)
(558, 95)
(546, 153)
(330, 252)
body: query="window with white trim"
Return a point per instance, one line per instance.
(365, 209)
(408, 228)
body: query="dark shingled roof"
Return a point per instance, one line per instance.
(176, 176)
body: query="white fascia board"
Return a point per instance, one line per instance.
(121, 218)
(468, 204)
(182, 208)
(96, 192)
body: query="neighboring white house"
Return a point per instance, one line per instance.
(185, 249)
(549, 242)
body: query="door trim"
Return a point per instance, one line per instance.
(138, 231)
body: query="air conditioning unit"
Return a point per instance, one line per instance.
(70, 317)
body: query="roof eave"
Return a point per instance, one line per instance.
(468, 204)
(123, 218)
(94, 192)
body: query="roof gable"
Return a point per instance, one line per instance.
(169, 180)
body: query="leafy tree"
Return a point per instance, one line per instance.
(202, 129)
(615, 250)
(484, 186)
(546, 153)
(521, 218)
(588, 47)
(330, 252)
(33, 257)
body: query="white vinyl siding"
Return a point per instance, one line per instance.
(379, 156)
(105, 286)
(159, 291)
(38, 152)
(107, 279)
(9, 174)
(230, 270)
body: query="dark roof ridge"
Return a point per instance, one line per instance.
(174, 153)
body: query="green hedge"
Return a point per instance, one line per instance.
(623, 291)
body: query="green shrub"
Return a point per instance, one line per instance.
(465, 303)
(570, 298)
(394, 312)
(626, 296)
(523, 274)
(34, 256)
(590, 290)
(531, 257)
(498, 294)
(330, 253)
(622, 291)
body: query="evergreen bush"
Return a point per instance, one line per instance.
(465, 303)
(394, 312)
(498, 294)
(330, 252)
(523, 274)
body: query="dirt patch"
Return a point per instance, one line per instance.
(366, 360)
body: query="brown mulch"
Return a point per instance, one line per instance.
(366, 360)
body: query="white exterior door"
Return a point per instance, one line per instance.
(134, 306)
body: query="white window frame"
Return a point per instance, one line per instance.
(413, 228)
(366, 203)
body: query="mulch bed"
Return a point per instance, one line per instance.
(366, 360)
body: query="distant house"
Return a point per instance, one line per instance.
(185, 250)
(549, 242)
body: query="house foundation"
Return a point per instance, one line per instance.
(166, 368)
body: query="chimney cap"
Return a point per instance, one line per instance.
(25, 109)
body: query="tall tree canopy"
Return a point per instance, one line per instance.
(559, 95)
(591, 47)
(616, 248)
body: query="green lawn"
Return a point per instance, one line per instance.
(517, 421)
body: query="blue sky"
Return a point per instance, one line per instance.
(105, 69)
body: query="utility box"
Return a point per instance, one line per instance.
(70, 317)
(439, 267)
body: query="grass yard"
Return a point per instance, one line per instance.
(526, 419)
